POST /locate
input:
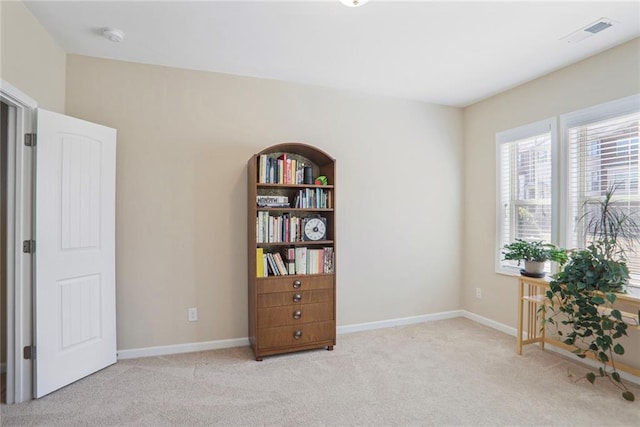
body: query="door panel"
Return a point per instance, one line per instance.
(75, 330)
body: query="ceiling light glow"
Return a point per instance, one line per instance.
(353, 3)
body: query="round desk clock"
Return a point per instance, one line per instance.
(315, 229)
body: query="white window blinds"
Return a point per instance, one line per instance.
(602, 154)
(524, 186)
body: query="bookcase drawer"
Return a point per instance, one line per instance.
(294, 314)
(293, 283)
(295, 298)
(296, 335)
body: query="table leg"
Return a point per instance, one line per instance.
(542, 325)
(519, 336)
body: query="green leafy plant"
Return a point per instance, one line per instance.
(521, 250)
(584, 292)
(611, 222)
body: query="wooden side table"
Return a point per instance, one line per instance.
(532, 294)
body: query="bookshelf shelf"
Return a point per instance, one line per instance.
(296, 209)
(300, 243)
(292, 276)
(265, 185)
(291, 279)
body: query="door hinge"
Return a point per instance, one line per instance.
(30, 139)
(29, 246)
(29, 352)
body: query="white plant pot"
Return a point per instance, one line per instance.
(534, 267)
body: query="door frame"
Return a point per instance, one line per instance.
(20, 174)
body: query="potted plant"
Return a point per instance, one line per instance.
(584, 292)
(534, 254)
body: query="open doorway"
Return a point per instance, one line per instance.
(16, 167)
(68, 268)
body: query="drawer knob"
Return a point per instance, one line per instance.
(297, 298)
(297, 284)
(297, 335)
(297, 314)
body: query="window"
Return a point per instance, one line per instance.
(602, 151)
(525, 185)
(543, 198)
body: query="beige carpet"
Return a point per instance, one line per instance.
(450, 372)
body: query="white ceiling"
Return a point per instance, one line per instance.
(447, 52)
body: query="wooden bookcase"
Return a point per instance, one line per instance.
(291, 312)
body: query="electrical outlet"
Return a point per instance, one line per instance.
(479, 293)
(192, 314)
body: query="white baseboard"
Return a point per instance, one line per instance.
(240, 342)
(181, 348)
(490, 323)
(347, 329)
(513, 331)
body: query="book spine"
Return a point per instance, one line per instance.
(259, 262)
(282, 268)
(262, 167)
(269, 266)
(271, 227)
(310, 256)
(286, 227)
(328, 260)
(259, 228)
(292, 229)
(265, 265)
(291, 258)
(287, 169)
(301, 173)
(301, 260)
(272, 171)
(272, 264)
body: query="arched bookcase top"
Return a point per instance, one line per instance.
(312, 153)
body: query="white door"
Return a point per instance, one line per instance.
(75, 318)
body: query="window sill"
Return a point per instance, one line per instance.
(505, 272)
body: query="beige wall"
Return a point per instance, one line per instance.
(610, 75)
(29, 58)
(184, 139)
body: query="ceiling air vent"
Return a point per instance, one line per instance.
(588, 30)
(598, 26)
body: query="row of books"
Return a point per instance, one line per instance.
(279, 229)
(313, 198)
(300, 260)
(280, 170)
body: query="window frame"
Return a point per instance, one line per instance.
(558, 126)
(597, 113)
(550, 126)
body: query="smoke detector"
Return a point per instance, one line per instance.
(113, 34)
(588, 30)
